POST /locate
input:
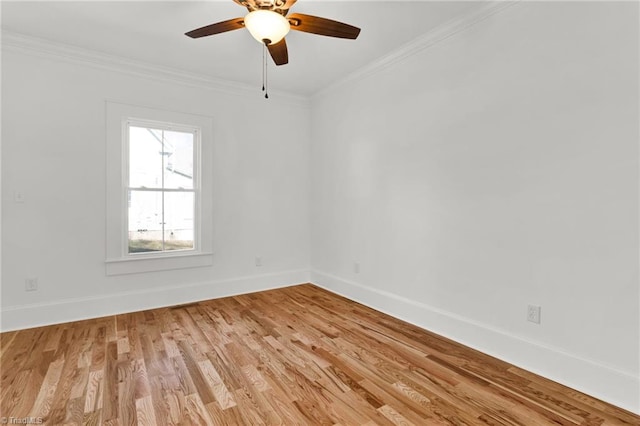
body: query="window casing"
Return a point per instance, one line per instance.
(189, 177)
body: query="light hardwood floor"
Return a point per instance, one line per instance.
(293, 356)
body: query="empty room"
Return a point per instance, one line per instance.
(281, 212)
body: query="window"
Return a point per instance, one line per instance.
(161, 188)
(159, 165)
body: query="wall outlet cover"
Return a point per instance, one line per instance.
(533, 314)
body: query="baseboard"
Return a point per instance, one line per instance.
(61, 311)
(616, 387)
(603, 382)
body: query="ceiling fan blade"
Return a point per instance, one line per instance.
(322, 26)
(279, 52)
(217, 28)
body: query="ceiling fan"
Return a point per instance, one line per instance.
(268, 22)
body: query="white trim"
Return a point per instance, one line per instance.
(427, 40)
(12, 41)
(164, 261)
(196, 132)
(118, 260)
(82, 308)
(602, 381)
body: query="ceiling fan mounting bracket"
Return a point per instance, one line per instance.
(279, 6)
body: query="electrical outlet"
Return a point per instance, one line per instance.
(356, 267)
(258, 260)
(31, 284)
(533, 314)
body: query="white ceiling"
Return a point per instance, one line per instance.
(153, 32)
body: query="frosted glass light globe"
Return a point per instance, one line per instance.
(266, 25)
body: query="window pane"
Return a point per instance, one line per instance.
(145, 157)
(145, 221)
(178, 170)
(178, 212)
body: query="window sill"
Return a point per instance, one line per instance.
(137, 265)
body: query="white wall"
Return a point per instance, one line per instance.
(53, 152)
(496, 169)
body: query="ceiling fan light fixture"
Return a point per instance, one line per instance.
(267, 25)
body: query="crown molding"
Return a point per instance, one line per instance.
(12, 41)
(438, 34)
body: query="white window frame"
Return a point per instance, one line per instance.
(156, 125)
(118, 260)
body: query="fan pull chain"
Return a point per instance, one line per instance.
(264, 54)
(266, 77)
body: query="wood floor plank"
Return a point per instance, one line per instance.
(395, 417)
(220, 391)
(184, 379)
(110, 390)
(145, 415)
(195, 411)
(20, 396)
(93, 394)
(42, 405)
(74, 412)
(167, 400)
(294, 356)
(93, 418)
(6, 339)
(18, 353)
(127, 404)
